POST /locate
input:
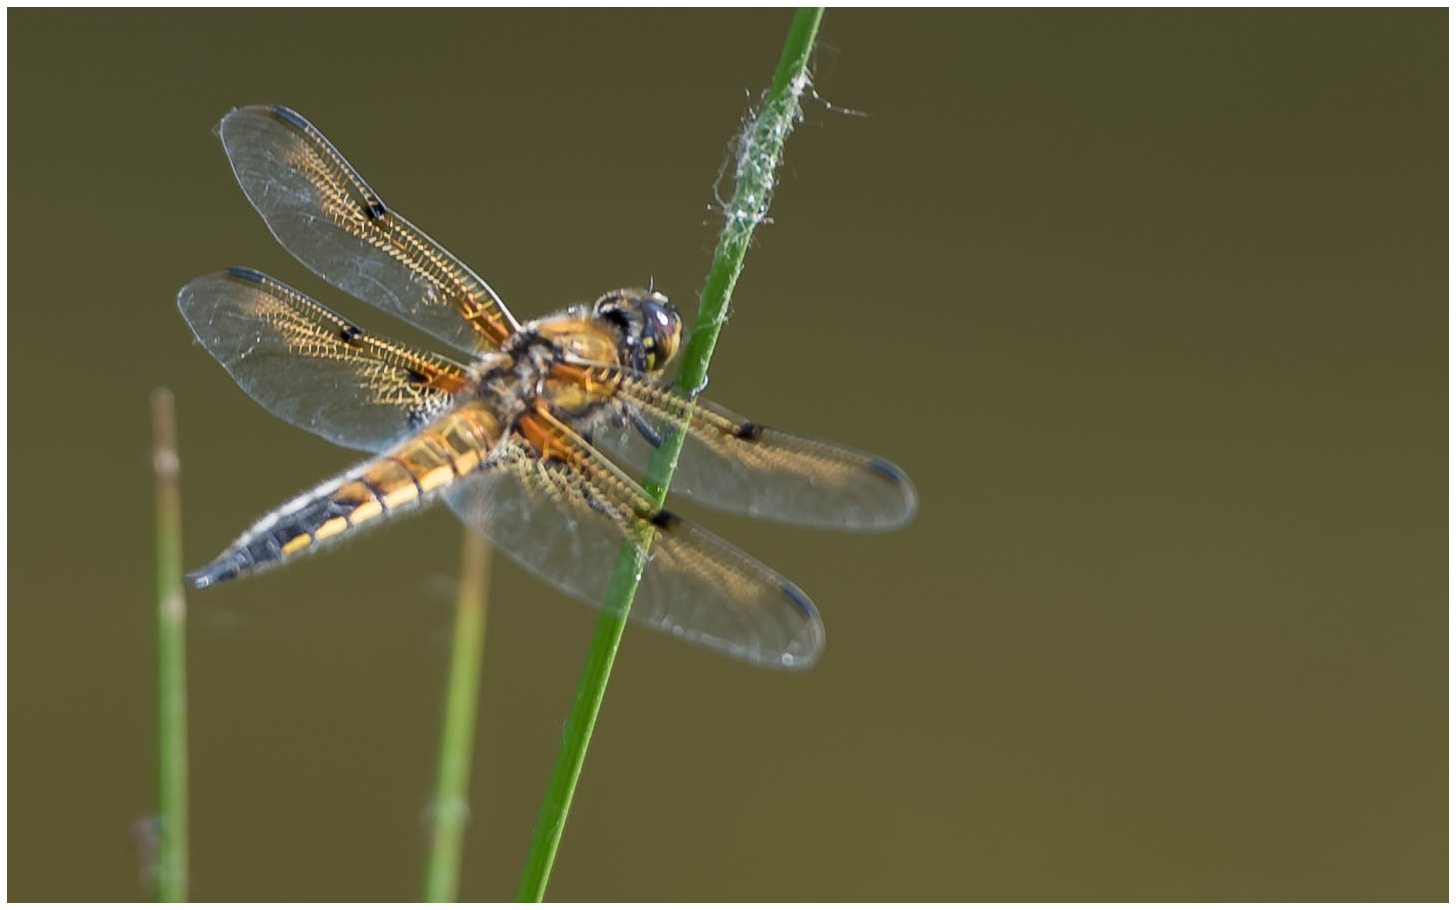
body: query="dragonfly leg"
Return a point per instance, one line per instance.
(648, 431)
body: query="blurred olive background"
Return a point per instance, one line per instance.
(1151, 306)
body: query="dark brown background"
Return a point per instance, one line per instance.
(1150, 305)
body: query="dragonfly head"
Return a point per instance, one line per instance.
(650, 328)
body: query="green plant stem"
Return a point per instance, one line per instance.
(171, 870)
(760, 151)
(457, 735)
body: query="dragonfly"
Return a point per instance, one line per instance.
(526, 431)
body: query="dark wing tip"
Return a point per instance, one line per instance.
(897, 478)
(243, 273)
(803, 651)
(888, 470)
(246, 275)
(278, 112)
(290, 116)
(232, 273)
(799, 599)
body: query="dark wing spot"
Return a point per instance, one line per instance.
(887, 470)
(349, 332)
(291, 118)
(799, 599)
(246, 274)
(375, 209)
(748, 431)
(415, 377)
(662, 518)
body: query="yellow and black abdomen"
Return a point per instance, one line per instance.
(406, 476)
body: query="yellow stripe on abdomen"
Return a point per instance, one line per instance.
(452, 447)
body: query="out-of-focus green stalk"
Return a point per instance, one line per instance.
(457, 735)
(171, 870)
(760, 151)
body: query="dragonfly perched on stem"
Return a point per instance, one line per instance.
(515, 428)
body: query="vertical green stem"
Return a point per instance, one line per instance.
(760, 152)
(457, 735)
(171, 659)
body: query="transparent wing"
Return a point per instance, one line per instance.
(312, 367)
(324, 213)
(566, 517)
(739, 466)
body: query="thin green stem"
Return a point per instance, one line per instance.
(171, 660)
(760, 151)
(457, 735)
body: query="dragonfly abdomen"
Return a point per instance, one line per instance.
(421, 466)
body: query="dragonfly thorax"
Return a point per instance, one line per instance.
(636, 329)
(511, 381)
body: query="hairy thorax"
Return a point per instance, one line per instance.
(543, 365)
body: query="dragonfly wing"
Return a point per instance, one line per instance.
(324, 213)
(739, 466)
(566, 517)
(312, 367)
